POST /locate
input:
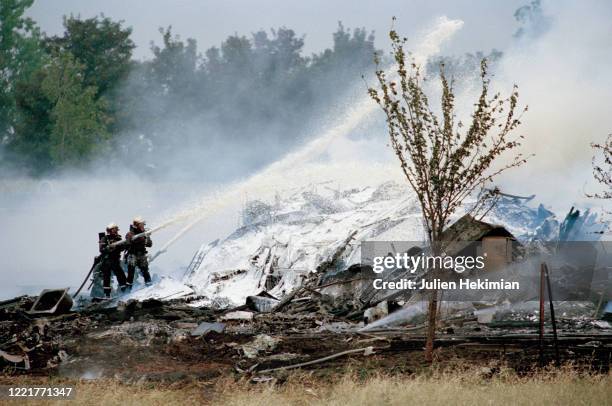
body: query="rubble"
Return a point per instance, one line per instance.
(607, 313)
(261, 344)
(261, 304)
(366, 351)
(52, 301)
(205, 327)
(153, 340)
(317, 230)
(238, 315)
(377, 312)
(139, 333)
(18, 361)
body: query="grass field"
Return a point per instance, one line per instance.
(468, 387)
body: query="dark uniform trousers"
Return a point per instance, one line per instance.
(140, 261)
(112, 265)
(112, 262)
(137, 255)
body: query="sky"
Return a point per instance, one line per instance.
(488, 24)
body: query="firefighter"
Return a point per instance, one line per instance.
(137, 252)
(112, 258)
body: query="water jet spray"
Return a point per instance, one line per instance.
(429, 45)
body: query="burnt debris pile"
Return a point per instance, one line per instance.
(291, 288)
(170, 340)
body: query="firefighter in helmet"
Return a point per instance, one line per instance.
(136, 256)
(111, 249)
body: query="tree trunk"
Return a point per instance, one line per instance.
(432, 308)
(432, 311)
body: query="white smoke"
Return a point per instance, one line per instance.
(433, 38)
(48, 230)
(564, 77)
(284, 172)
(49, 237)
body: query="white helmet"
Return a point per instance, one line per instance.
(110, 226)
(138, 220)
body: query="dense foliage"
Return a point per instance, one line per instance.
(58, 102)
(67, 98)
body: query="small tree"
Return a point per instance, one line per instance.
(602, 171)
(444, 161)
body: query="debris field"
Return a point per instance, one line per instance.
(169, 341)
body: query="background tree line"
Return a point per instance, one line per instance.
(67, 98)
(70, 99)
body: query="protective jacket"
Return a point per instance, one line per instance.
(139, 245)
(114, 253)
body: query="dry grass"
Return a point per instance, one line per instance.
(460, 387)
(112, 392)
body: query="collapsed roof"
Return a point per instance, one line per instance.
(320, 229)
(467, 228)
